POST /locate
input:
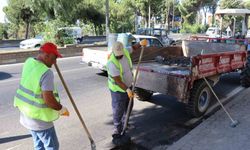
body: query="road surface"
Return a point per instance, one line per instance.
(154, 125)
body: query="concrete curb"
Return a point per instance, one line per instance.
(18, 56)
(216, 131)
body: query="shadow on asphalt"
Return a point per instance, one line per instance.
(4, 75)
(160, 124)
(103, 73)
(14, 138)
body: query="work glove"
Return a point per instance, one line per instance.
(144, 42)
(130, 93)
(64, 111)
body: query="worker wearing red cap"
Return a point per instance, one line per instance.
(38, 100)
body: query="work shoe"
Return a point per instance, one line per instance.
(115, 136)
(130, 127)
(120, 140)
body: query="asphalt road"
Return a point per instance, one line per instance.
(155, 123)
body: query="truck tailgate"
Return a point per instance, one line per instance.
(170, 80)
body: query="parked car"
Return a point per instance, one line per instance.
(70, 33)
(32, 43)
(213, 31)
(152, 41)
(160, 33)
(248, 34)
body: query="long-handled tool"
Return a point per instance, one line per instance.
(234, 123)
(93, 146)
(133, 89)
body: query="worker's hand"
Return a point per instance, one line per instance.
(64, 111)
(130, 93)
(144, 42)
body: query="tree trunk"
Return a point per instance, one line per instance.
(107, 19)
(149, 14)
(27, 30)
(205, 15)
(167, 18)
(173, 16)
(16, 34)
(95, 29)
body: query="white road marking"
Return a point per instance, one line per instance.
(13, 147)
(210, 109)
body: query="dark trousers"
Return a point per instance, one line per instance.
(120, 103)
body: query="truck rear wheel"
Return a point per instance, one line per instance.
(245, 74)
(143, 95)
(245, 77)
(199, 100)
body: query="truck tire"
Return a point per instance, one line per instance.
(245, 74)
(200, 97)
(143, 95)
(245, 77)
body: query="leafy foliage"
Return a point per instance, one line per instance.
(38, 16)
(231, 4)
(51, 30)
(194, 28)
(3, 31)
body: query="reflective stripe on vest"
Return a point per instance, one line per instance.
(33, 94)
(29, 95)
(111, 82)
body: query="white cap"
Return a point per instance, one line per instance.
(117, 48)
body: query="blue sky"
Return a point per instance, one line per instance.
(2, 4)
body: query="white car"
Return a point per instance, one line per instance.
(248, 34)
(159, 33)
(212, 31)
(152, 41)
(32, 43)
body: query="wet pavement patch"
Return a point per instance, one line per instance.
(131, 146)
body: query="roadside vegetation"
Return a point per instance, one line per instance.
(28, 18)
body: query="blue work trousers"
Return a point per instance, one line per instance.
(45, 139)
(120, 103)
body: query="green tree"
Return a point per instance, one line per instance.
(170, 10)
(57, 9)
(209, 6)
(122, 16)
(231, 4)
(247, 4)
(22, 12)
(1, 31)
(188, 9)
(92, 12)
(26, 15)
(13, 14)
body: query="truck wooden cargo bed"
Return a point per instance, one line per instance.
(177, 78)
(165, 79)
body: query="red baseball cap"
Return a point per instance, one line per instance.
(50, 48)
